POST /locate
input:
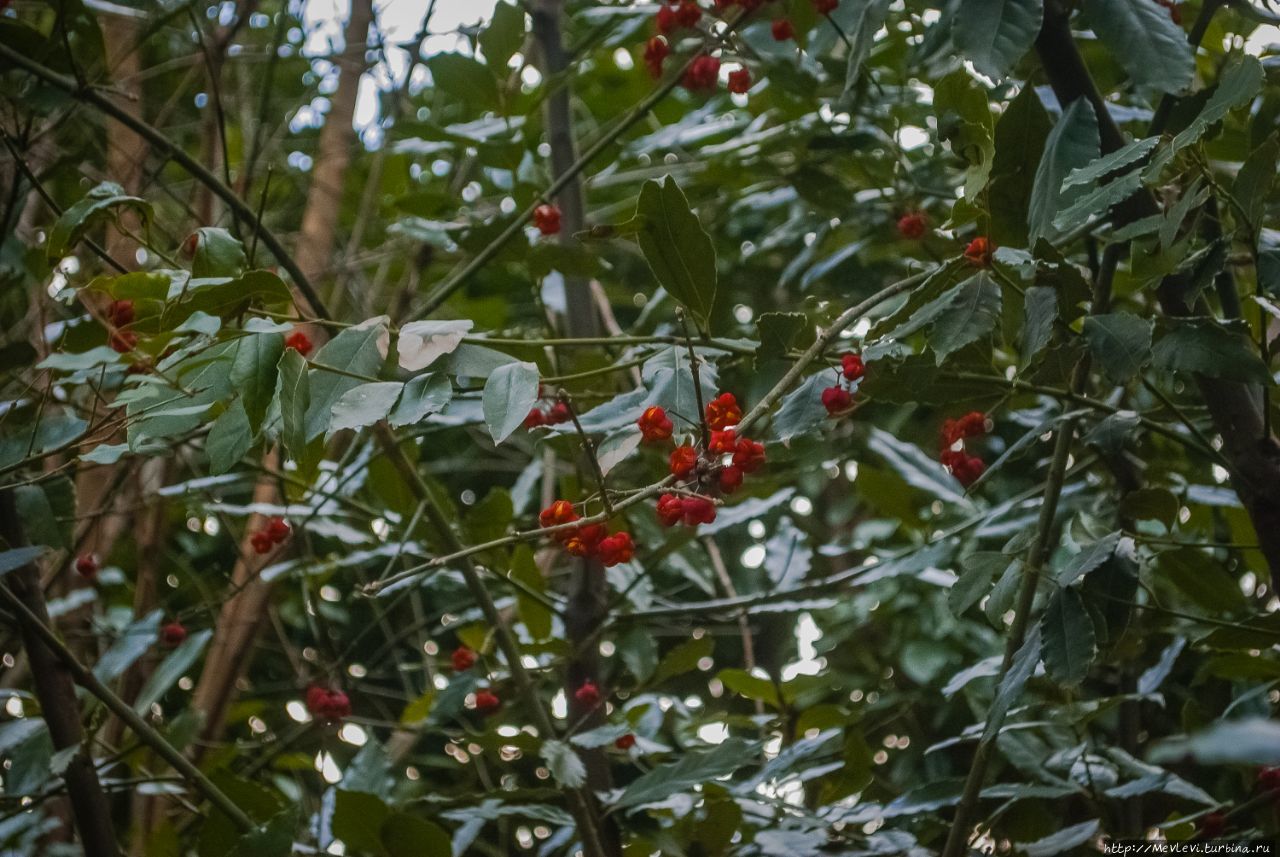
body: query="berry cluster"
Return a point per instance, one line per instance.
(588, 695)
(173, 633)
(588, 540)
(547, 218)
(327, 704)
(722, 465)
(978, 252)
(487, 702)
(913, 225)
(120, 315)
(87, 566)
(704, 72)
(964, 467)
(463, 658)
(547, 415)
(839, 398)
(299, 342)
(274, 533)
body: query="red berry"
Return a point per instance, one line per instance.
(836, 400)
(852, 367)
(261, 542)
(587, 695)
(87, 566)
(536, 417)
(783, 31)
(723, 442)
(299, 342)
(739, 81)
(487, 702)
(1269, 779)
(666, 19)
(749, 455)
(1213, 824)
(723, 412)
(559, 512)
(278, 529)
(120, 312)
(703, 73)
(688, 14)
(978, 253)
(326, 704)
(684, 461)
(655, 425)
(670, 509)
(173, 634)
(547, 219)
(190, 244)
(913, 225)
(463, 659)
(656, 50)
(625, 742)
(698, 510)
(730, 479)
(615, 549)
(965, 468)
(559, 413)
(825, 7)
(585, 540)
(123, 341)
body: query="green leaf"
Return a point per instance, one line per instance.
(230, 437)
(1145, 41)
(995, 34)
(218, 254)
(424, 395)
(682, 659)
(1251, 742)
(1202, 579)
(1067, 631)
(88, 212)
(405, 835)
(801, 411)
(679, 251)
(18, 557)
(778, 332)
(1150, 504)
(172, 668)
(273, 839)
(132, 643)
(1120, 342)
(1040, 312)
(502, 38)
(534, 614)
(964, 121)
(1253, 184)
(1072, 144)
(1208, 347)
(1110, 163)
(1097, 202)
(745, 684)
(253, 373)
(980, 569)
(358, 818)
(48, 511)
(223, 296)
(916, 469)
(1091, 557)
(1237, 85)
(564, 763)
(421, 342)
(359, 351)
(364, 404)
(972, 314)
(1063, 840)
(863, 18)
(1020, 137)
(464, 79)
(693, 769)
(1012, 682)
(295, 400)
(509, 394)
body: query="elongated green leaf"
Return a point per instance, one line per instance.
(229, 439)
(1070, 645)
(1238, 84)
(253, 373)
(693, 769)
(1251, 741)
(1121, 343)
(218, 253)
(1013, 681)
(96, 205)
(356, 351)
(980, 569)
(364, 404)
(862, 19)
(502, 38)
(1144, 40)
(295, 399)
(171, 669)
(679, 251)
(916, 469)
(405, 835)
(970, 316)
(1062, 840)
(18, 557)
(424, 395)
(1207, 347)
(509, 395)
(1088, 559)
(564, 763)
(1097, 202)
(1040, 311)
(994, 34)
(1072, 144)
(1110, 163)
(1202, 579)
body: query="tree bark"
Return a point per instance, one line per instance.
(56, 694)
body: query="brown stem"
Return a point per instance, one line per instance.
(56, 693)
